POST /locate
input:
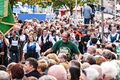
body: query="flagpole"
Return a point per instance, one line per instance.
(102, 19)
(76, 21)
(115, 8)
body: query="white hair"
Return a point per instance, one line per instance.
(58, 71)
(98, 68)
(109, 69)
(47, 77)
(92, 74)
(4, 75)
(116, 63)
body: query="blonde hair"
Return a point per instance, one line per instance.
(31, 78)
(42, 64)
(54, 57)
(51, 62)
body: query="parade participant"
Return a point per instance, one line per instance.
(45, 41)
(54, 36)
(4, 43)
(23, 38)
(113, 36)
(65, 46)
(14, 47)
(31, 48)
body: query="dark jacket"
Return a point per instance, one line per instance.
(34, 73)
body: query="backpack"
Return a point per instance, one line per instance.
(48, 44)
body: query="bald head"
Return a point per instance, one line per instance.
(65, 37)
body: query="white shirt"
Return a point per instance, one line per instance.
(109, 36)
(89, 43)
(22, 37)
(44, 39)
(57, 39)
(32, 43)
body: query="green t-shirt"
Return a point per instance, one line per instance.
(69, 48)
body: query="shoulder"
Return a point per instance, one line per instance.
(71, 43)
(117, 34)
(60, 41)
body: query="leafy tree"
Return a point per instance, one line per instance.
(70, 3)
(65, 3)
(31, 2)
(12, 2)
(56, 3)
(42, 3)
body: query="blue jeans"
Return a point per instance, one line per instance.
(14, 57)
(86, 20)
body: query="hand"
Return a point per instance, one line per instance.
(2, 53)
(43, 54)
(23, 57)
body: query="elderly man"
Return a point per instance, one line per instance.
(58, 71)
(92, 74)
(109, 71)
(64, 46)
(4, 75)
(99, 69)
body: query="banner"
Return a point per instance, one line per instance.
(3, 8)
(6, 23)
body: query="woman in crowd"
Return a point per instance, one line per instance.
(31, 48)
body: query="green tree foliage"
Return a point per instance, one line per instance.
(31, 2)
(12, 2)
(66, 3)
(56, 3)
(70, 3)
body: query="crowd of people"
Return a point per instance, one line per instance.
(59, 50)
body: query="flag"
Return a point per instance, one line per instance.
(4, 8)
(6, 23)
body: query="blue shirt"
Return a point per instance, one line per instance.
(87, 11)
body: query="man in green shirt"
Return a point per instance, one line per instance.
(65, 46)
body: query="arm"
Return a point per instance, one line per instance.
(6, 42)
(91, 11)
(24, 51)
(117, 37)
(88, 43)
(109, 39)
(52, 40)
(53, 49)
(78, 56)
(77, 52)
(39, 40)
(37, 47)
(48, 51)
(25, 48)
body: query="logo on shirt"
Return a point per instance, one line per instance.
(65, 50)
